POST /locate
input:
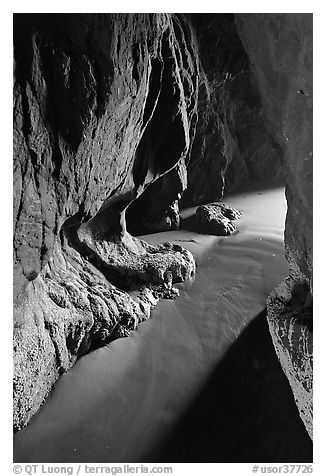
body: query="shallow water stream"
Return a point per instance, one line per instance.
(126, 401)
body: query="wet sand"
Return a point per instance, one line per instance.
(128, 401)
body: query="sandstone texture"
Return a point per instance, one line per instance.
(216, 219)
(280, 51)
(232, 144)
(104, 106)
(231, 141)
(290, 323)
(119, 120)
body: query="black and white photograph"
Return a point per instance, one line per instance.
(162, 235)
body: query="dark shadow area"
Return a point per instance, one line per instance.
(189, 223)
(245, 413)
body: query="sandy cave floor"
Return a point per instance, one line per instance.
(132, 400)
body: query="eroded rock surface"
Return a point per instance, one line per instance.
(115, 115)
(104, 106)
(213, 219)
(232, 143)
(280, 50)
(290, 322)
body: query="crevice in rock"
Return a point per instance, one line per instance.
(26, 126)
(135, 58)
(163, 140)
(155, 85)
(156, 208)
(57, 159)
(115, 116)
(232, 144)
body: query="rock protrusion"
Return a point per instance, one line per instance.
(216, 219)
(290, 324)
(104, 108)
(129, 262)
(88, 295)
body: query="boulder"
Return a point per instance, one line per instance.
(216, 219)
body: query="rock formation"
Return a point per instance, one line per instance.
(280, 49)
(118, 120)
(216, 219)
(232, 143)
(213, 219)
(104, 105)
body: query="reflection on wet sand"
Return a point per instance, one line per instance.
(126, 401)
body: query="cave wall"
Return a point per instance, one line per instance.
(232, 144)
(231, 141)
(280, 51)
(83, 104)
(118, 119)
(104, 105)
